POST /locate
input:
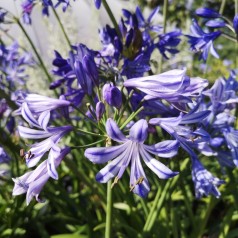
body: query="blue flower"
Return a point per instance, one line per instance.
(33, 182)
(204, 182)
(202, 42)
(39, 104)
(173, 86)
(131, 150)
(97, 3)
(112, 95)
(235, 24)
(168, 42)
(52, 135)
(27, 7)
(207, 13)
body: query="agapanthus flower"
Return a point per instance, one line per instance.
(27, 7)
(202, 42)
(33, 182)
(131, 151)
(38, 104)
(205, 183)
(235, 24)
(172, 86)
(207, 13)
(52, 135)
(168, 43)
(112, 95)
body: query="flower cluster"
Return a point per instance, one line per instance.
(201, 41)
(114, 94)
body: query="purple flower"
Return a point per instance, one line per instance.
(33, 182)
(202, 42)
(235, 24)
(217, 23)
(168, 42)
(112, 95)
(130, 151)
(172, 86)
(97, 3)
(204, 182)
(100, 109)
(27, 7)
(207, 13)
(53, 135)
(38, 104)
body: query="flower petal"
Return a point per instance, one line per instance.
(138, 131)
(157, 167)
(194, 117)
(27, 115)
(114, 132)
(44, 119)
(100, 155)
(32, 134)
(111, 170)
(138, 181)
(165, 149)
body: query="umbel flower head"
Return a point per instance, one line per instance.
(130, 151)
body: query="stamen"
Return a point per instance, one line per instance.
(138, 181)
(115, 182)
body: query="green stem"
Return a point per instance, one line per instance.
(229, 37)
(133, 115)
(222, 7)
(88, 145)
(125, 105)
(34, 49)
(61, 27)
(108, 228)
(109, 210)
(89, 133)
(110, 14)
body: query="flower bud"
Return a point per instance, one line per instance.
(207, 13)
(112, 95)
(100, 109)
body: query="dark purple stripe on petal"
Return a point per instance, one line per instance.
(138, 131)
(114, 132)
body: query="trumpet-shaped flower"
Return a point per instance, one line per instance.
(172, 86)
(33, 182)
(204, 181)
(131, 151)
(202, 42)
(52, 135)
(38, 104)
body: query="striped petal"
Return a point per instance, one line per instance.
(112, 169)
(114, 132)
(32, 133)
(27, 115)
(51, 165)
(138, 131)
(100, 155)
(157, 167)
(165, 149)
(194, 117)
(138, 181)
(44, 119)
